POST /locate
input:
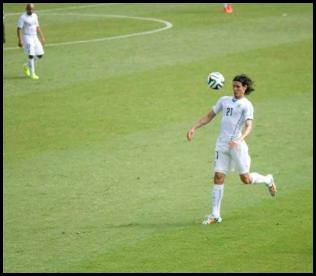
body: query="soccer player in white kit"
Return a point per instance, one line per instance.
(231, 152)
(27, 30)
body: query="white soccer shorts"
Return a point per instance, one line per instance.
(32, 45)
(237, 159)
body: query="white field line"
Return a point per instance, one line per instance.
(167, 24)
(66, 8)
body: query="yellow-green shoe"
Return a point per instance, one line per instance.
(34, 77)
(26, 70)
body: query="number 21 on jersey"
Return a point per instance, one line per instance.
(229, 111)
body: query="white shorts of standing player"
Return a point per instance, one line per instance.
(34, 50)
(32, 45)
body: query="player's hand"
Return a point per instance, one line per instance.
(20, 44)
(234, 143)
(190, 134)
(43, 41)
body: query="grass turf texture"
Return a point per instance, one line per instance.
(98, 175)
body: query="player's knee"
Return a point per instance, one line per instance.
(30, 56)
(39, 56)
(219, 178)
(245, 179)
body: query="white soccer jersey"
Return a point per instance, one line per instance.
(28, 24)
(235, 113)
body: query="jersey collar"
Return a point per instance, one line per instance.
(235, 99)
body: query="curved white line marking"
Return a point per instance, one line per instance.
(66, 8)
(167, 24)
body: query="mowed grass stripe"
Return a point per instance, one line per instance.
(95, 111)
(257, 239)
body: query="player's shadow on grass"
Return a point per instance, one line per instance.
(14, 77)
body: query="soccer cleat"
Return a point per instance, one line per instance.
(26, 70)
(212, 220)
(34, 77)
(272, 188)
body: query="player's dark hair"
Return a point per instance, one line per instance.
(245, 80)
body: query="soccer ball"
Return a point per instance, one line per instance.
(215, 80)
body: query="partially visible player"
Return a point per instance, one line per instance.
(231, 152)
(27, 29)
(3, 28)
(228, 8)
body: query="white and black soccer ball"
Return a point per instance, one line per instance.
(215, 80)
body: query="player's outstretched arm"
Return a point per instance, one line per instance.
(201, 122)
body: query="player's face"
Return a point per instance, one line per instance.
(239, 89)
(29, 9)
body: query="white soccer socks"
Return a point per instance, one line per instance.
(31, 64)
(259, 179)
(217, 195)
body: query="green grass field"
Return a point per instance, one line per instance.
(98, 174)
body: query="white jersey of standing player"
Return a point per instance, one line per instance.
(29, 24)
(235, 114)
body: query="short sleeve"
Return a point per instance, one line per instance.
(20, 22)
(218, 107)
(36, 21)
(249, 111)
